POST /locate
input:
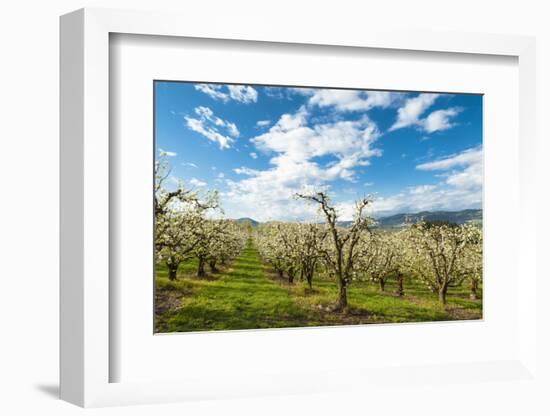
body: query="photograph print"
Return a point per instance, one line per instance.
(285, 207)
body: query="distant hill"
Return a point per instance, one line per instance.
(399, 220)
(474, 216)
(246, 220)
(457, 217)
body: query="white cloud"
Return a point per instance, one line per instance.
(208, 125)
(295, 148)
(167, 153)
(465, 158)
(345, 210)
(213, 90)
(426, 198)
(210, 133)
(253, 155)
(233, 130)
(440, 120)
(263, 123)
(243, 170)
(351, 100)
(292, 139)
(304, 91)
(198, 183)
(409, 115)
(207, 114)
(421, 189)
(463, 170)
(274, 92)
(460, 188)
(189, 164)
(241, 93)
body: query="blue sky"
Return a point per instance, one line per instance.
(259, 145)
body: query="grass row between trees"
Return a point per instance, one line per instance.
(248, 295)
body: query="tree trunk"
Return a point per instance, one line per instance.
(213, 268)
(201, 272)
(280, 273)
(290, 274)
(400, 291)
(309, 278)
(342, 297)
(382, 283)
(473, 290)
(173, 271)
(443, 295)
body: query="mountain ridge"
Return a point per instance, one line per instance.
(458, 217)
(399, 220)
(248, 220)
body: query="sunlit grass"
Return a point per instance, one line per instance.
(245, 295)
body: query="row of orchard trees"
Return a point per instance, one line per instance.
(440, 256)
(188, 225)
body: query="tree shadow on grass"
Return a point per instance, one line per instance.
(244, 316)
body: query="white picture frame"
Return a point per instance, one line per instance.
(85, 210)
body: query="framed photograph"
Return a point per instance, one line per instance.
(268, 213)
(338, 205)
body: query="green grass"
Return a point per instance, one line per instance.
(246, 295)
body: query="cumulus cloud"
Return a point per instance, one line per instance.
(213, 90)
(311, 149)
(463, 170)
(291, 138)
(263, 123)
(421, 189)
(440, 120)
(209, 126)
(295, 148)
(243, 93)
(243, 170)
(410, 114)
(351, 100)
(198, 183)
(460, 188)
(275, 92)
(429, 199)
(240, 93)
(206, 113)
(467, 157)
